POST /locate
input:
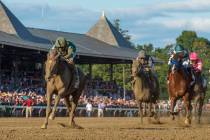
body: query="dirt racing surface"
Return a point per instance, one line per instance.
(102, 129)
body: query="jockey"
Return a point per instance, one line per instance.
(180, 58)
(196, 66)
(68, 50)
(146, 63)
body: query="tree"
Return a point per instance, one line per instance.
(186, 39)
(122, 31)
(148, 48)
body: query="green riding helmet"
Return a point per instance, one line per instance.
(61, 42)
(178, 49)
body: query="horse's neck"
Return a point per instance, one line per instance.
(65, 70)
(179, 78)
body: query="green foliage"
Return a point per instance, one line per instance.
(103, 71)
(122, 31)
(118, 74)
(186, 39)
(148, 48)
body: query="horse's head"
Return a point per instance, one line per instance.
(51, 64)
(135, 68)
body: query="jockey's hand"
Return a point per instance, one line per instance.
(70, 61)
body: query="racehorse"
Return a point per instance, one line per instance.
(199, 92)
(59, 76)
(178, 87)
(146, 90)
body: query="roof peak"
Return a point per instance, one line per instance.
(10, 24)
(104, 31)
(103, 14)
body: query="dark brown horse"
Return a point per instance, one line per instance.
(59, 76)
(199, 92)
(146, 90)
(178, 88)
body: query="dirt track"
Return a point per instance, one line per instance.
(98, 129)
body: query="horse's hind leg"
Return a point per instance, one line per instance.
(52, 115)
(195, 111)
(72, 111)
(156, 112)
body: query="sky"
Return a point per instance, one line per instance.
(158, 22)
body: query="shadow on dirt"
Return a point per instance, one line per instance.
(153, 128)
(69, 127)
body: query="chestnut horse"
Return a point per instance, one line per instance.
(146, 90)
(59, 76)
(178, 87)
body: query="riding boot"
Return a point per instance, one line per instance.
(76, 85)
(193, 79)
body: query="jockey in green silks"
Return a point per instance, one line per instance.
(67, 50)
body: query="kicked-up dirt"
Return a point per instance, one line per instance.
(103, 129)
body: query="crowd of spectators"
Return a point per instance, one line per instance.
(16, 90)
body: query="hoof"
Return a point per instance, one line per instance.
(52, 117)
(44, 126)
(172, 118)
(157, 119)
(187, 122)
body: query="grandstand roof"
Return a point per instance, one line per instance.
(104, 31)
(14, 33)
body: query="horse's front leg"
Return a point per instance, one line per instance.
(201, 100)
(48, 109)
(140, 111)
(187, 102)
(57, 100)
(151, 113)
(173, 104)
(156, 112)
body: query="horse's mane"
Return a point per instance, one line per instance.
(52, 54)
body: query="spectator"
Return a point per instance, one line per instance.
(101, 107)
(89, 108)
(28, 107)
